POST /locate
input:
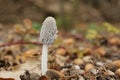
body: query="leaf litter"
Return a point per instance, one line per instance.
(74, 56)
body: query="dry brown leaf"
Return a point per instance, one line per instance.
(31, 64)
(61, 51)
(89, 66)
(87, 51)
(100, 51)
(54, 74)
(114, 40)
(117, 72)
(69, 41)
(27, 54)
(78, 61)
(116, 63)
(44, 78)
(27, 23)
(31, 53)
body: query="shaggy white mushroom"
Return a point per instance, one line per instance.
(47, 35)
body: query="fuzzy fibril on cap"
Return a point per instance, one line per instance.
(48, 31)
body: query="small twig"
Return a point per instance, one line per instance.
(19, 43)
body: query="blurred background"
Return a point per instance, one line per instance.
(68, 13)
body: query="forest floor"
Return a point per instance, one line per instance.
(85, 53)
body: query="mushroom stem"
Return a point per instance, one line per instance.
(44, 59)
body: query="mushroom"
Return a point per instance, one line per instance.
(47, 35)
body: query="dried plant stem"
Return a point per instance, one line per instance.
(44, 59)
(19, 43)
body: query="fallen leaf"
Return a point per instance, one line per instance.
(69, 41)
(61, 51)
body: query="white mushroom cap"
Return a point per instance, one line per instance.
(48, 31)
